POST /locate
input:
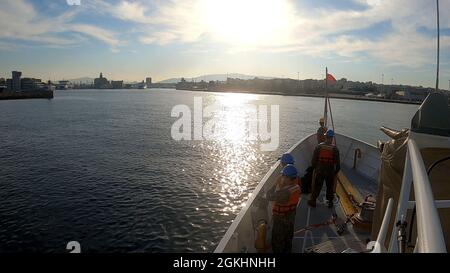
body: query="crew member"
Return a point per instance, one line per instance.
(285, 195)
(321, 131)
(326, 163)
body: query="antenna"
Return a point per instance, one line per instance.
(437, 57)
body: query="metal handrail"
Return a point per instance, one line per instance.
(429, 229)
(430, 238)
(378, 245)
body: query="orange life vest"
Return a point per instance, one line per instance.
(326, 155)
(294, 196)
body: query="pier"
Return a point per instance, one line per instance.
(26, 94)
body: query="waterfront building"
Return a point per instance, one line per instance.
(9, 84)
(32, 84)
(2, 84)
(101, 82)
(63, 85)
(140, 85)
(413, 95)
(15, 84)
(117, 84)
(148, 81)
(374, 96)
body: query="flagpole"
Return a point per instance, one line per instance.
(437, 56)
(326, 96)
(331, 115)
(328, 105)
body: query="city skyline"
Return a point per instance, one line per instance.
(131, 40)
(85, 81)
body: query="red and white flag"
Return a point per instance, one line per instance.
(331, 78)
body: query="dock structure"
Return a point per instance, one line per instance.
(28, 94)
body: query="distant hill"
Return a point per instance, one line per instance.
(82, 80)
(216, 77)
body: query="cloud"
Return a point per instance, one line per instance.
(320, 31)
(324, 32)
(131, 11)
(21, 22)
(7, 46)
(273, 26)
(168, 22)
(95, 32)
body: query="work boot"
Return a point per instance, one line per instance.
(312, 203)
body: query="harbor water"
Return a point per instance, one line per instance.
(100, 166)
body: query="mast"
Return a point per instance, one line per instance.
(325, 111)
(437, 56)
(328, 103)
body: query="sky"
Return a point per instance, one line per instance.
(133, 39)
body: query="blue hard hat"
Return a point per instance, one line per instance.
(287, 159)
(330, 133)
(290, 171)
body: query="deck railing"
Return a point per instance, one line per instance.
(430, 237)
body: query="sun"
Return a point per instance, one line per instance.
(247, 22)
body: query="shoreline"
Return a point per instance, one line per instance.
(332, 96)
(28, 94)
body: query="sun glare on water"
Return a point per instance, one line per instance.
(247, 22)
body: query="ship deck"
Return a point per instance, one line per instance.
(317, 232)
